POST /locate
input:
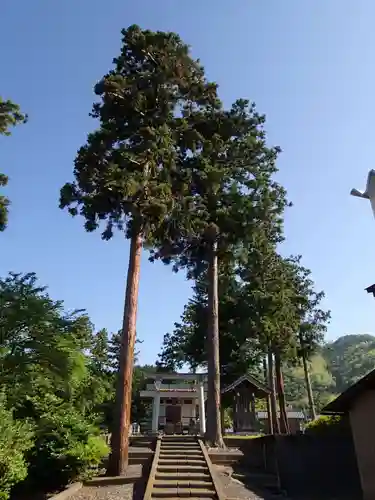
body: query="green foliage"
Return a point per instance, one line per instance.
(59, 379)
(123, 175)
(10, 115)
(4, 204)
(328, 425)
(350, 358)
(16, 438)
(322, 382)
(42, 349)
(67, 447)
(57, 374)
(335, 367)
(228, 418)
(225, 187)
(187, 344)
(259, 303)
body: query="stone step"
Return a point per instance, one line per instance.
(184, 476)
(180, 448)
(190, 451)
(174, 440)
(179, 451)
(178, 498)
(184, 445)
(176, 437)
(180, 456)
(184, 457)
(182, 483)
(180, 443)
(183, 492)
(183, 461)
(181, 469)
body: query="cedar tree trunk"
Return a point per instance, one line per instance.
(268, 401)
(284, 425)
(271, 383)
(213, 431)
(118, 460)
(308, 385)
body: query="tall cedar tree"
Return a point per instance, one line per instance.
(285, 304)
(10, 115)
(123, 175)
(313, 321)
(273, 313)
(227, 188)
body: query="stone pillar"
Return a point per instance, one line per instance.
(155, 412)
(202, 412)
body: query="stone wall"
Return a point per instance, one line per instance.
(323, 467)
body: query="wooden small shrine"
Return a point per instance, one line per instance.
(244, 391)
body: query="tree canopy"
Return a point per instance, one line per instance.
(123, 175)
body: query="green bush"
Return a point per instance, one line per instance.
(227, 420)
(15, 439)
(328, 425)
(67, 448)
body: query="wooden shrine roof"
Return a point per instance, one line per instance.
(250, 379)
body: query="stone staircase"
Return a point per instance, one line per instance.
(181, 469)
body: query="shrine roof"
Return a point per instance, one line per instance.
(176, 376)
(178, 390)
(250, 379)
(290, 414)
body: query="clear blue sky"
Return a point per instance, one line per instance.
(309, 65)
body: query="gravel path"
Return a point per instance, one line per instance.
(112, 492)
(132, 490)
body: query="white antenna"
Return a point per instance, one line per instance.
(369, 193)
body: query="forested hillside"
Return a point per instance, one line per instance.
(335, 367)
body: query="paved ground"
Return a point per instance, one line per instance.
(236, 490)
